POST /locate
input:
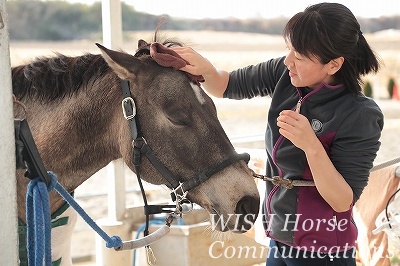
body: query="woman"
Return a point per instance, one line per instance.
(321, 128)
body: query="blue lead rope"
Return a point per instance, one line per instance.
(39, 220)
(38, 223)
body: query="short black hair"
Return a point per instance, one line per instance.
(329, 31)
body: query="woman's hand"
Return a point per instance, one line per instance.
(198, 65)
(296, 128)
(215, 81)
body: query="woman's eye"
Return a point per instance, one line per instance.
(297, 56)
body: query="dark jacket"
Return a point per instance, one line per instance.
(349, 128)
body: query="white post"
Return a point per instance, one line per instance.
(112, 23)
(116, 190)
(112, 38)
(114, 224)
(8, 198)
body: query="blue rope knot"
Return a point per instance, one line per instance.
(38, 182)
(114, 242)
(53, 181)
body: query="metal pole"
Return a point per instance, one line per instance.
(8, 198)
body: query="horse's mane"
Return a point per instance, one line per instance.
(50, 78)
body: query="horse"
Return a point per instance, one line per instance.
(72, 105)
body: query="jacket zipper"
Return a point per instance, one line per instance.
(280, 139)
(277, 144)
(298, 105)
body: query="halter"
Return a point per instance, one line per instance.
(140, 147)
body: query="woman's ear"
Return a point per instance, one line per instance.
(335, 65)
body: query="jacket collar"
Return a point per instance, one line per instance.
(323, 92)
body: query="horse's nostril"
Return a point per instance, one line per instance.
(248, 206)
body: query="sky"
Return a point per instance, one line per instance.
(252, 8)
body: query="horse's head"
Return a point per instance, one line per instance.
(180, 125)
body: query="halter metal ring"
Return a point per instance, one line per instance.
(185, 206)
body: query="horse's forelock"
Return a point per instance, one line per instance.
(144, 49)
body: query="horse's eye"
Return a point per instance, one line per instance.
(177, 116)
(179, 122)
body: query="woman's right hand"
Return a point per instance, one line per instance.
(215, 81)
(197, 64)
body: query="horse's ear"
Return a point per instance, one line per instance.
(142, 43)
(123, 64)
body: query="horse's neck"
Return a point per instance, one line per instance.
(74, 139)
(75, 136)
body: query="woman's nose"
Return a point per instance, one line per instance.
(289, 59)
(286, 62)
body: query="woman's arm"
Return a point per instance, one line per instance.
(215, 82)
(329, 182)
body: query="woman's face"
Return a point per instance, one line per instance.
(305, 71)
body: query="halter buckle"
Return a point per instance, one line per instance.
(125, 112)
